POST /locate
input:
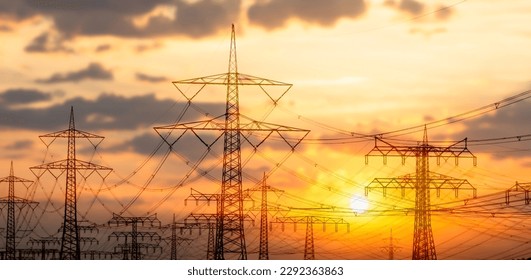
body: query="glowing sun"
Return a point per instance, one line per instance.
(359, 204)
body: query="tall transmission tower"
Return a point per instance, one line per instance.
(44, 243)
(263, 252)
(230, 236)
(174, 240)
(135, 247)
(207, 221)
(423, 181)
(391, 248)
(70, 241)
(518, 188)
(309, 221)
(11, 200)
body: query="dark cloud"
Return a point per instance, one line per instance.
(188, 145)
(107, 112)
(418, 8)
(151, 79)
(23, 96)
(5, 28)
(93, 71)
(20, 145)
(509, 121)
(411, 6)
(47, 43)
(102, 48)
(113, 17)
(275, 13)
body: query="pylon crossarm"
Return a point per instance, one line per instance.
(14, 179)
(72, 133)
(435, 181)
(223, 79)
(523, 188)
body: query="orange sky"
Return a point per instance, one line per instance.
(356, 66)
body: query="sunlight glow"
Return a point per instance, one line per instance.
(359, 203)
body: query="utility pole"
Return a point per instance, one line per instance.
(135, 247)
(230, 236)
(70, 247)
(309, 221)
(11, 200)
(423, 181)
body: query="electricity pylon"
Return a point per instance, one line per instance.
(423, 181)
(522, 188)
(134, 234)
(391, 248)
(174, 240)
(11, 200)
(70, 241)
(263, 252)
(44, 242)
(309, 221)
(207, 221)
(230, 236)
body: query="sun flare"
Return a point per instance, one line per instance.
(359, 203)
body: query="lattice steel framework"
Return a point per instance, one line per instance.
(423, 181)
(70, 241)
(135, 246)
(230, 236)
(309, 221)
(519, 188)
(11, 201)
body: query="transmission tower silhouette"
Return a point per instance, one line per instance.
(44, 243)
(263, 252)
(11, 201)
(70, 241)
(309, 221)
(174, 240)
(134, 249)
(207, 221)
(391, 248)
(423, 181)
(518, 188)
(230, 236)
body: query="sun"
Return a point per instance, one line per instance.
(359, 204)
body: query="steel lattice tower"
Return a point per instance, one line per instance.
(309, 243)
(230, 236)
(423, 181)
(11, 201)
(70, 241)
(263, 252)
(135, 246)
(229, 232)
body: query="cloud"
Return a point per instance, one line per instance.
(19, 145)
(510, 121)
(93, 71)
(107, 112)
(411, 6)
(275, 14)
(46, 43)
(23, 96)
(102, 48)
(188, 146)
(418, 8)
(116, 17)
(151, 79)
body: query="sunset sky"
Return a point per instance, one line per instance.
(358, 67)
